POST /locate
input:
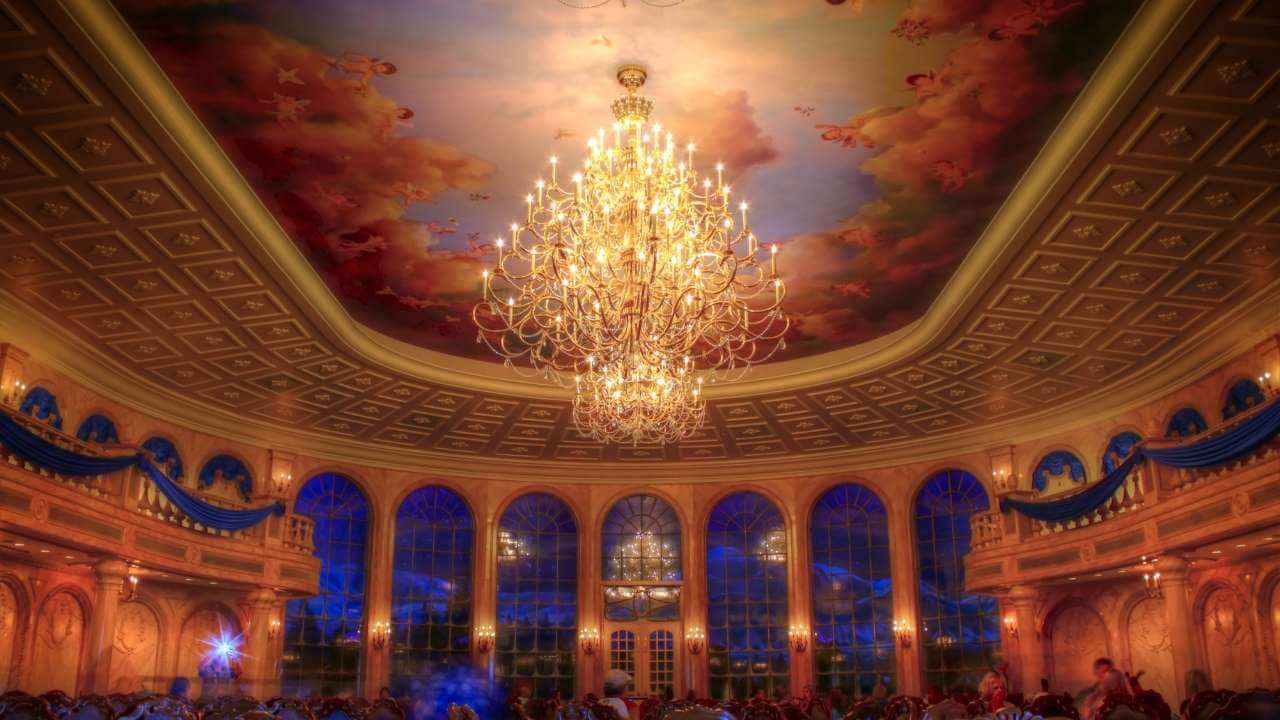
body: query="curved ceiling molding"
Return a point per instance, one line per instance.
(1142, 240)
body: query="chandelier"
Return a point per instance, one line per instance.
(636, 282)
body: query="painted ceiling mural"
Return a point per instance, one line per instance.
(875, 139)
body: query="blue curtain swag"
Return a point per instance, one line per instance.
(1218, 449)
(35, 449)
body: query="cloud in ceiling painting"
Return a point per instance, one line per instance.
(393, 141)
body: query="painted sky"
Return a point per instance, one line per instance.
(394, 139)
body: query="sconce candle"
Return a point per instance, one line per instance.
(379, 633)
(273, 629)
(695, 639)
(1011, 626)
(589, 639)
(902, 631)
(799, 635)
(484, 639)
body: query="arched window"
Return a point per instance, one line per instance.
(1185, 423)
(1118, 448)
(537, 594)
(852, 591)
(99, 429)
(747, 597)
(322, 633)
(1058, 471)
(166, 455)
(431, 585)
(960, 633)
(1243, 394)
(641, 556)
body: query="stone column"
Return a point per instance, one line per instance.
(1030, 648)
(694, 600)
(260, 654)
(905, 581)
(802, 671)
(377, 609)
(1174, 575)
(109, 577)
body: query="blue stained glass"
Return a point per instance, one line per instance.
(851, 590)
(959, 632)
(746, 594)
(431, 585)
(322, 649)
(537, 611)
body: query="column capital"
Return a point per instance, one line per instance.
(1023, 595)
(263, 598)
(111, 570)
(1173, 568)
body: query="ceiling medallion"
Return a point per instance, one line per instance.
(635, 283)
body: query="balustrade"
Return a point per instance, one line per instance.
(134, 491)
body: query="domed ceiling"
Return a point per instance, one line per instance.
(393, 140)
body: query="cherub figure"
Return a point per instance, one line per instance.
(411, 192)
(363, 67)
(401, 117)
(927, 84)
(289, 76)
(950, 175)
(561, 134)
(805, 110)
(851, 135)
(477, 197)
(333, 198)
(857, 288)
(288, 109)
(1035, 18)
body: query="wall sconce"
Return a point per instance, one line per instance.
(16, 397)
(1011, 626)
(695, 639)
(485, 637)
(1152, 582)
(1004, 480)
(273, 629)
(129, 589)
(379, 633)
(589, 640)
(1265, 381)
(799, 635)
(902, 631)
(283, 481)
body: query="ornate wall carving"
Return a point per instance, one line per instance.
(135, 650)
(60, 629)
(1230, 647)
(8, 631)
(1078, 638)
(199, 630)
(1149, 650)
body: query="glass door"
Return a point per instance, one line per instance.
(647, 652)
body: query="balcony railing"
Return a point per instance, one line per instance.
(134, 491)
(1158, 508)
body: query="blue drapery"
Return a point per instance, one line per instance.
(35, 449)
(42, 404)
(165, 453)
(1054, 464)
(229, 469)
(1209, 452)
(1077, 504)
(99, 429)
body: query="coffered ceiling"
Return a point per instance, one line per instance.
(1143, 243)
